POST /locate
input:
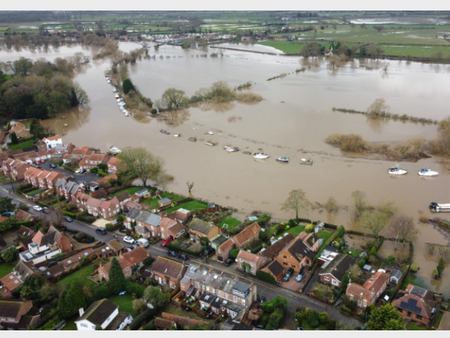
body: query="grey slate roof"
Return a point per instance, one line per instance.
(339, 266)
(99, 311)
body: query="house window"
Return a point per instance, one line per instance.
(285, 257)
(409, 314)
(419, 317)
(326, 278)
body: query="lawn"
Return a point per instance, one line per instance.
(229, 223)
(125, 303)
(6, 268)
(26, 144)
(191, 205)
(154, 201)
(296, 230)
(131, 191)
(80, 276)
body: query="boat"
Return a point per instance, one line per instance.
(427, 172)
(246, 152)
(306, 161)
(164, 131)
(210, 133)
(113, 149)
(397, 171)
(177, 135)
(439, 207)
(284, 159)
(260, 156)
(210, 144)
(192, 139)
(231, 149)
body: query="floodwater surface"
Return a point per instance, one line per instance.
(293, 119)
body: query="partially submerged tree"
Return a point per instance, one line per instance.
(174, 98)
(402, 228)
(297, 202)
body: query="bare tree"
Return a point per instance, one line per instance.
(375, 221)
(297, 202)
(378, 108)
(164, 179)
(402, 228)
(360, 205)
(190, 185)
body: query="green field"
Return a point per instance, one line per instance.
(80, 276)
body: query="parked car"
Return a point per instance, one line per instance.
(51, 263)
(172, 253)
(229, 261)
(123, 230)
(133, 246)
(80, 171)
(7, 213)
(68, 219)
(128, 239)
(300, 276)
(52, 165)
(183, 257)
(37, 207)
(288, 275)
(209, 251)
(262, 299)
(46, 210)
(101, 231)
(167, 241)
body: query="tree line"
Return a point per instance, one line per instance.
(38, 89)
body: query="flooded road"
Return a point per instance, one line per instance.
(294, 119)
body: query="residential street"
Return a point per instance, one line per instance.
(265, 289)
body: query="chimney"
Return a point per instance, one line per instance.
(81, 311)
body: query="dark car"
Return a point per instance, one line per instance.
(51, 263)
(123, 230)
(229, 261)
(45, 210)
(183, 257)
(52, 165)
(262, 300)
(288, 275)
(172, 253)
(68, 219)
(209, 252)
(101, 231)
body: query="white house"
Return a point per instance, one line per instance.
(52, 141)
(103, 314)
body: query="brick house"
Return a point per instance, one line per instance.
(14, 169)
(247, 235)
(368, 293)
(300, 252)
(105, 315)
(171, 228)
(167, 271)
(113, 164)
(127, 261)
(11, 311)
(218, 291)
(334, 272)
(67, 189)
(93, 160)
(275, 269)
(250, 262)
(201, 229)
(414, 308)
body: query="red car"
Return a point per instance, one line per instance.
(167, 241)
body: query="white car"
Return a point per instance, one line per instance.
(128, 239)
(37, 208)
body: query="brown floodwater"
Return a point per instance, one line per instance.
(294, 119)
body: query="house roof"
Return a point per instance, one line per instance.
(339, 266)
(200, 226)
(249, 232)
(12, 308)
(163, 323)
(123, 196)
(98, 311)
(298, 249)
(249, 257)
(359, 292)
(22, 215)
(168, 267)
(275, 268)
(115, 245)
(272, 250)
(11, 282)
(377, 281)
(136, 256)
(413, 304)
(114, 161)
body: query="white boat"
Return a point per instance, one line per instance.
(439, 207)
(177, 135)
(427, 172)
(231, 149)
(284, 159)
(260, 156)
(306, 161)
(210, 133)
(113, 149)
(397, 171)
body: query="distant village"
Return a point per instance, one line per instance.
(212, 269)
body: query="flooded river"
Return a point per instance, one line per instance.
(294, 119)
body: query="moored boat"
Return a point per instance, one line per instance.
(396, 170)
(164, 131)
(427, 172)
(192, 139)
(306, 161)
(260, 156)
(113, 149)
(284, 159)
(231, 149)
